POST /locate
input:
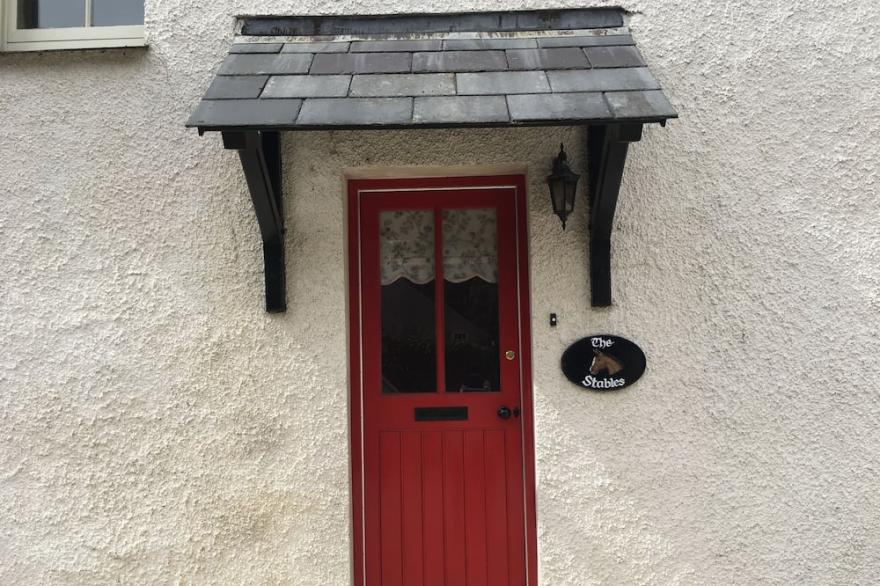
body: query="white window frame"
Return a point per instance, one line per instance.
(13, 38)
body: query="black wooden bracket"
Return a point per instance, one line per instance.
(260, 154)
(607, 146)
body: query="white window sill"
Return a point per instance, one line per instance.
(23, 46)
(55, 39)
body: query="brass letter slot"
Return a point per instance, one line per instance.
(441, 413)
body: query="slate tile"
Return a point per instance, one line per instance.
(403, 84)
(602, 80)
(248, 113)
(249, 64)
(255, 48)
(502, 82)
(460, 61)
(356, 112)
(614, 57)
(328, 63)
(589, 41)
(460, 110)
(651, 104)
(236, 87)
(317, 47)
(564, 58)
(307, 86)
(538, 107)
(396, 46)
(489, 44)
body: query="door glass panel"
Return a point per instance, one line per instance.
(406, 251)
(117, 12)
(51, 13)
(470, 280)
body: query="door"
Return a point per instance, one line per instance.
(444, 465)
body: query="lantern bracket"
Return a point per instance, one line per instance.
(607, 146)
(260, 154)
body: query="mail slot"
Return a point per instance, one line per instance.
(441, 413)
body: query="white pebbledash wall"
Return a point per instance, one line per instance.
(156, 426)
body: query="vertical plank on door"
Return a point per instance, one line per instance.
(372, 517)
(475, 507)
(516, 553)
(453, 508)
(411, 501)
(389, 516)
(432, 507)
(496, 508)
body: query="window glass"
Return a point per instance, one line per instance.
(117, 12)
(51, 13)
(470, 281)
(36, 14)
(408, 284)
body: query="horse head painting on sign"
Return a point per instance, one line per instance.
(602, 361)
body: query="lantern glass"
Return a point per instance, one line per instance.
(558, 195)
(570, 189)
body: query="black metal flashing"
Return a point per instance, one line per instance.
(414, 24)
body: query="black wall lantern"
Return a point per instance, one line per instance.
(563, 185)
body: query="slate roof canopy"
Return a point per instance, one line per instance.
(441, 70)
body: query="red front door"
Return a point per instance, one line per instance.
(441, 398)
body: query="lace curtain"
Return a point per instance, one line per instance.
(469, 245)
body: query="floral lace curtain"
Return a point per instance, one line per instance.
(469, 245)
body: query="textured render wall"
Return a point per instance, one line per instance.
(157, 427)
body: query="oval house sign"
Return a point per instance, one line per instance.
(603, 363)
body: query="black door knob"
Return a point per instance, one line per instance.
(504, 412)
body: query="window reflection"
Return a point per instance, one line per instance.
(117, 12)
(51, 13)
(470, 301)
(470, 274)
(36, 14)
(408, 297)
(472, 336)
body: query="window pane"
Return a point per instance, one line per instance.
(117, 12)
(407, 274)
(51, 13)
(470, 275)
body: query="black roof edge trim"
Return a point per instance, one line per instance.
(437, 126)
(413, 24)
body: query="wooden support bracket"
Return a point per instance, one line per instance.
(260, 154)
(607, 147)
